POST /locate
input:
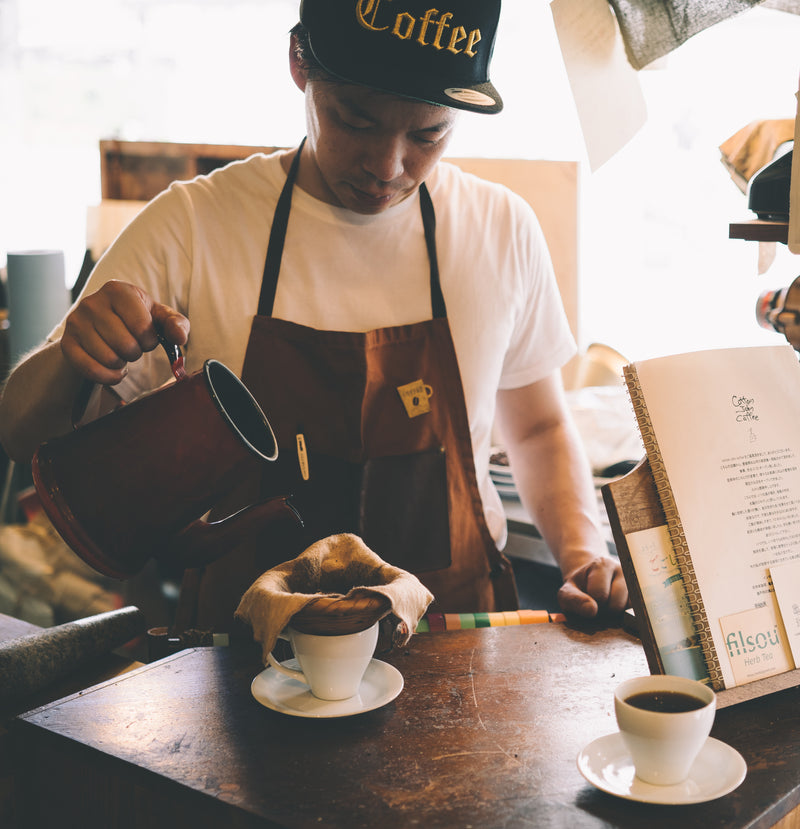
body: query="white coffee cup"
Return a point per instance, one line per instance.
(663, 744)
(332, 666)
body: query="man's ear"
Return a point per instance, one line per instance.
(297, 68)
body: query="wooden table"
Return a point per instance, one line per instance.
(95, 671)
(484, 734)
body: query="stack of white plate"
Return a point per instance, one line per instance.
(503, 479)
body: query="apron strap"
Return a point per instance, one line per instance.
(272, 264)
(277, 236)
(438, 308)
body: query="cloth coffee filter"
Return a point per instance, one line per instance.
(339, 566)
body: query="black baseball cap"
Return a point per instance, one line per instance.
(408, 48)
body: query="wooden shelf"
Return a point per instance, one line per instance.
(140, 170)
(759, 230)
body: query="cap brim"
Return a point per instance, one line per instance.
(480, 97)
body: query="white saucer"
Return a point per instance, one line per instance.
(381, 684)
(718, 769)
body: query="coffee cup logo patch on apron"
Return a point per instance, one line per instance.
(416, 397)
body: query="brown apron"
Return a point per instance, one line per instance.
(373, 439)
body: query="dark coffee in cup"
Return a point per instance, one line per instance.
(669, 702)
(664, 721)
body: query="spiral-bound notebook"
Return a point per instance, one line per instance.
(721, 429)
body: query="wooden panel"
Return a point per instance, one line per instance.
(632, 505)
(791, 821)
(551, 189)
(140, 170)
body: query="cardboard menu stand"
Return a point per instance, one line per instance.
(633, 505)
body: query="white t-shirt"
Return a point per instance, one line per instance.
(200, 247)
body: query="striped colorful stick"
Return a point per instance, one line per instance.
(436, 622)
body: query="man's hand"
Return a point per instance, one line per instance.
(595, 587)
(114, 327)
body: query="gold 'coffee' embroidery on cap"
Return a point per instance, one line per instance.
(415, 397)
(405, 25)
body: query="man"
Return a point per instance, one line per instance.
(402, 309)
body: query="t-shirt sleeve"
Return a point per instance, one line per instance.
(152, 252)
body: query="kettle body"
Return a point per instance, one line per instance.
(135, 483)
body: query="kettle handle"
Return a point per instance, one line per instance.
(174, 355)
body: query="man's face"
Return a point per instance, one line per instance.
(368, 150)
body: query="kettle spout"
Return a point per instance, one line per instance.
(205, 541)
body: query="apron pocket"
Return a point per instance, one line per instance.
(404, 510)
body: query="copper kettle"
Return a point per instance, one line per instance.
(135, 484)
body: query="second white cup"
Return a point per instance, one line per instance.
(331, 666)
(665, 721)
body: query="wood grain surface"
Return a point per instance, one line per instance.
(485, 734)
